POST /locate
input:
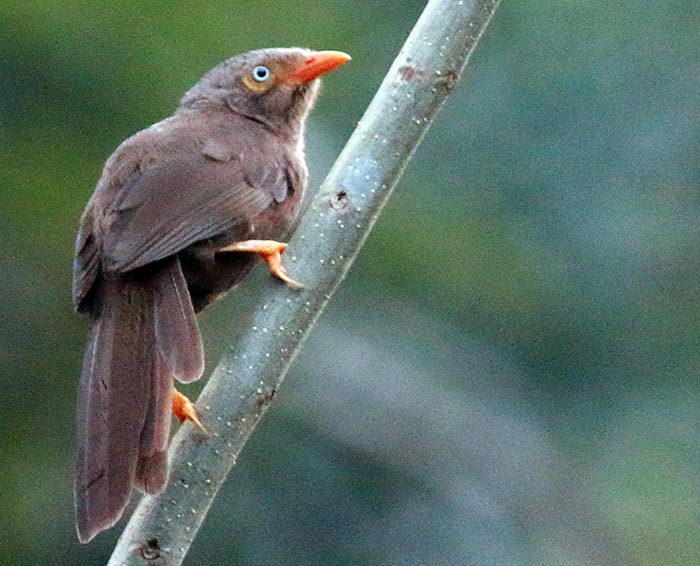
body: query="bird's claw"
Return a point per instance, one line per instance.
(271, 252)
(184, 410)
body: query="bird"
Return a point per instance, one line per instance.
(182, 212)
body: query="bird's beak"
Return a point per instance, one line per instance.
(318, 63)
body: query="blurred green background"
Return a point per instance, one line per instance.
(530, 398)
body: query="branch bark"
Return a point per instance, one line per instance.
(322, 250)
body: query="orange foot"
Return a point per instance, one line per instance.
(184, 409)
(271, 252)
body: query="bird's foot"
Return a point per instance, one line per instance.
(184, 409)
(271, 252)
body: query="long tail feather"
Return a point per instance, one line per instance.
(145, 335)
(180, 356)
(177, 332)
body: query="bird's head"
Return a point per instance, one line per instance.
(276, 87)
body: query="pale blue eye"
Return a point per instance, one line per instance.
(261, 73)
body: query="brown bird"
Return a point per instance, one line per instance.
(180, 215)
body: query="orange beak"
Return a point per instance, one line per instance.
(318, 63)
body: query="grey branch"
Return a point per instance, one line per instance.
(322, 250)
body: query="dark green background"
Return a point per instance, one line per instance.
(509, 375)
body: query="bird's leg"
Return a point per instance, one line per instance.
(184, 409)
(271, 252)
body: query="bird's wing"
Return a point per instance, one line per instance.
(164, 209)
(86, 264)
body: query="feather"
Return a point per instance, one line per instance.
(177, 332)
(146, 334)
(163, 210)
(113, 402)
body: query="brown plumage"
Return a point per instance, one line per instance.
(228, 166)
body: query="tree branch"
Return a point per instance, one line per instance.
(320, 253)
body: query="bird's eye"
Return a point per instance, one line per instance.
(261, 73)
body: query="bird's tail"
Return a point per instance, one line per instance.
(143, 335)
